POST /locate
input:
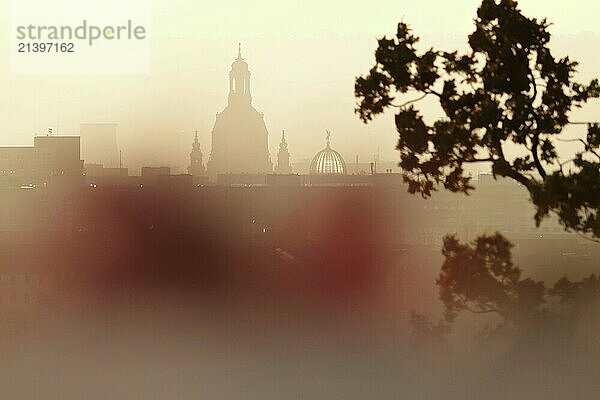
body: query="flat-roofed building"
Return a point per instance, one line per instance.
(49, 158)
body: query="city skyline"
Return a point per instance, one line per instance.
(300, 199)
(188, 84)
(101, 145)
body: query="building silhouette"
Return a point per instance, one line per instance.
(155, 171)
(51, 158)
(239, 136)
(17, 166)
(328, 161)
(196, 168)
(283, 157)
(99, 170)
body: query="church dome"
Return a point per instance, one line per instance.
(239, 65)
(328, 162)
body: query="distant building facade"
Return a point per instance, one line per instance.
(58, 155)
(155, 171)
(96, 170)
(17, 166)
(240, 136)
(50, 158)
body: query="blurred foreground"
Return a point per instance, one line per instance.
(269, 292)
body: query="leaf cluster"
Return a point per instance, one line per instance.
(507, 89)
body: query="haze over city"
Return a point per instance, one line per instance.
(300, 199)
(303, 56)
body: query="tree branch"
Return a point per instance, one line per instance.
(535, 140)
(586, 237)
(586, 145)
(476, 160)
(410, 101)
(503, 168)
(482, 311)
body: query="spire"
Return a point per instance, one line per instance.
(283, 144)
(196, 168)
(196, 144)
(328, 137)
(283, 157)
(239, 80)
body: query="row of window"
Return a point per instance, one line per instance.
(21, 278)
(17, 298)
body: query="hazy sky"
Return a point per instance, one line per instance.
(303, 55)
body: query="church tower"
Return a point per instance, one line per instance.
(239, 136)
(196, 168)
(283, 157)
(239, 81)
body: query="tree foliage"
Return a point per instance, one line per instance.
(480, 277)
(508, 89)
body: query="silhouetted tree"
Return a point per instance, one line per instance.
(581, 295)
(482, 278)
(507, 89)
